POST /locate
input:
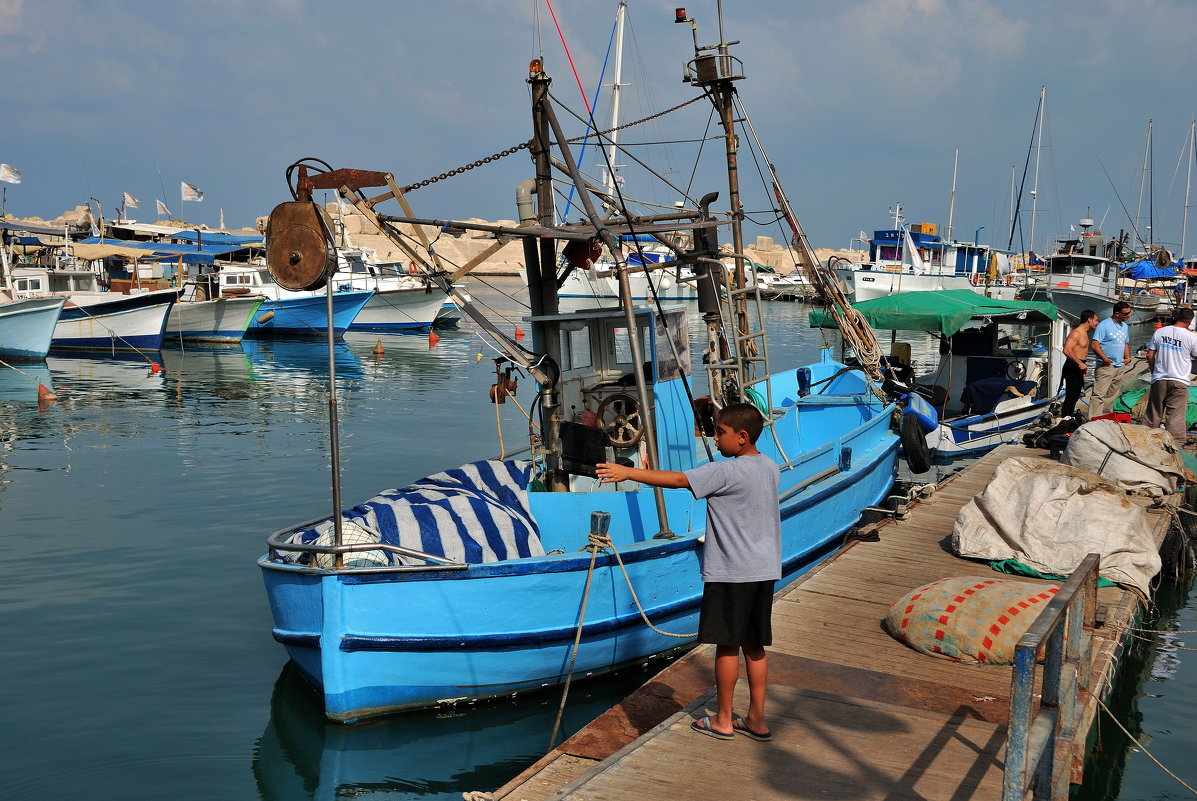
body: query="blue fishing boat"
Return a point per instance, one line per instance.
(506, 575)
(291, 313)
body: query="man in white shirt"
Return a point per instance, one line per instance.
(1170, 355)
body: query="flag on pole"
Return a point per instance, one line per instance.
(131, 201)
(10, 174)
(222, 219)
(189, 192)
(864, 237)
(162, 210)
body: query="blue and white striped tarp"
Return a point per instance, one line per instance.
(474, 513)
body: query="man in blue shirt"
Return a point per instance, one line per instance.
(1111, 346)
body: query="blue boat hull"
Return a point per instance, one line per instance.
(379, 641)
(307, 316)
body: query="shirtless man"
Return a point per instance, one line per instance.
(1076, 350)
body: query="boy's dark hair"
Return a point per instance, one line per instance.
(1182, 315)
(742, 417)
(1087, 315)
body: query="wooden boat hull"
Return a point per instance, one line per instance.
(222, 320)
(375, 641)
(27, 327)
(120, 323)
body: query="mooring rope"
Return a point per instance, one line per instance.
(1142, 747)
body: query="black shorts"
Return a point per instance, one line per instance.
(736, 614)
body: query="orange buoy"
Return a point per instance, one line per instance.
(378, 349)
(433, 339)
(155, 368)
(519, 334)
(44, 395)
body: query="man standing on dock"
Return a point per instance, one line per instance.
(1170, 355)
(1111, 346)
(1076, 351)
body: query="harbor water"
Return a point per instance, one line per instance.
(138, 660)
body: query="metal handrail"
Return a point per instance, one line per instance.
(1039, 744)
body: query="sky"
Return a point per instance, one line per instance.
(860, 105)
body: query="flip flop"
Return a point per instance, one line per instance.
(703, 726)
(740, 727)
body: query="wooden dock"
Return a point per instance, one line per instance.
(855, 714)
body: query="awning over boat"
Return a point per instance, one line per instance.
(162, 251)
(93, 250)
(945, 311)
(217, 238)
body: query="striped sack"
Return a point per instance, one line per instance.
(474, 513)
(969, 618)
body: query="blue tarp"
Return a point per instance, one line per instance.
(218, 238)
(1146, 268)
(171, 251)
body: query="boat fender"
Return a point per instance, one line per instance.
(914, 443)
(265, 318)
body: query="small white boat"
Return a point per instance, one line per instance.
(27, 326)
(97, 320)
(401, 302)
(219, 320)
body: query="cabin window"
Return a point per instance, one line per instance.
(673, 346)
(623, 346)
(575, 349)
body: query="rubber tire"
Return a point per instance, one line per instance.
(914, 443)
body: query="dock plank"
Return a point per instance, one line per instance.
(855, 714)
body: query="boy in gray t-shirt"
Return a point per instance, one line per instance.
(741, 561)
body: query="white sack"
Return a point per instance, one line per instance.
(1049, 516)
(1136, 458)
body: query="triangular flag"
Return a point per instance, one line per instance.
(10, 174)
(189, 192)
(162, 210)
(131, 201)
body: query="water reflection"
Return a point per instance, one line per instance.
(18, 383)
(438, 753)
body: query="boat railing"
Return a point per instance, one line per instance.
(1039, 744)
(278, 542)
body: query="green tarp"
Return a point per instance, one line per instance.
(945, 311)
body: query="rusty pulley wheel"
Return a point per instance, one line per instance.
(297, 249)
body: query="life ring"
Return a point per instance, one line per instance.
(412, 269)
(914, 443)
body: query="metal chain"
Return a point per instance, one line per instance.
(528, 144)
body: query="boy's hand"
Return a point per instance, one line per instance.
(611, 472)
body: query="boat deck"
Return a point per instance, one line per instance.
(854, 713)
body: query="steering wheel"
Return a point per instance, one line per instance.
(1015, 370)
(619, 417)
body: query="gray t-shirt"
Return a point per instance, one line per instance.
(743, 540)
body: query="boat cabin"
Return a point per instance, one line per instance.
(598, 388)
(996, 361)
(39, 282)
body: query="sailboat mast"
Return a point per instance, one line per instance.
(1184, 226)
(616, 89)
(1139, 232)
(952, 202)
(1038, 152)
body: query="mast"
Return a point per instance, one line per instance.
(952, 203)
(1144, 237)
(1184, 226)
(540, 260)
(1038, 151)
(616, 88)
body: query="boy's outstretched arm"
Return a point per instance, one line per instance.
(658, 478)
